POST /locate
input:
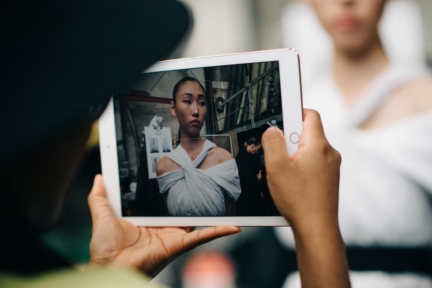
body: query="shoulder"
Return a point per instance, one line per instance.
(220, 154)
(404, 101)
(415, 95)
(165, 165)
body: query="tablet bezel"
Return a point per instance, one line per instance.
(291, 98)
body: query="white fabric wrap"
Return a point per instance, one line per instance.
(195, 192)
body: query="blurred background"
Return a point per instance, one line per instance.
(258, 257)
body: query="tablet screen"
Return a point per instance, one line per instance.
(189, 141)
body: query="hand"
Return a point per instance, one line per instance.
(304, 186)
(259, 176)
(119, 242)
(305, 189)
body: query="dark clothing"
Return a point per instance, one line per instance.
(250, 202)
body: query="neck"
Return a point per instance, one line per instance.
(191, 143)
(353, 72)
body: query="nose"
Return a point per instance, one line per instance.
(195, 109)
(347, 3)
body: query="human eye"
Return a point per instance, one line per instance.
(202, 103)
(187, 101)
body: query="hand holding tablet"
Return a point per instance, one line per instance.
(310, 205)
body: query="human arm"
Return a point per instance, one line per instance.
(162, 166)
(118, 242)
(259, 176)
(310, 202)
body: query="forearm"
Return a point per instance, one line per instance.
(321, 256)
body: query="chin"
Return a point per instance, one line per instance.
(195, 131)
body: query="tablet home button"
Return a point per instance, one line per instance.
(294, 137)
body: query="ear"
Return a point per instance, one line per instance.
(173, 109)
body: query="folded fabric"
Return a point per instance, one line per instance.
(195, 192)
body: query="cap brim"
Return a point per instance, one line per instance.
(70, 54)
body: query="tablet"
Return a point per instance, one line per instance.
(181, 146)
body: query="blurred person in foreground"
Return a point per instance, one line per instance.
(65, 58)
(378, 114)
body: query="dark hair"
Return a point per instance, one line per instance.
(252, 141)
(181, 82)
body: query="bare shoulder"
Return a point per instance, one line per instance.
(406, 100)
(165, 165)
(417, 95)
(220, 154)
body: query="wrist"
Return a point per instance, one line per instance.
(317, 230)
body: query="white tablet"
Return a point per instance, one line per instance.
(181, 145)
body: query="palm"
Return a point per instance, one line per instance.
(116, 241)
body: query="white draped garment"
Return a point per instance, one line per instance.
(386, 172)
(195, 192)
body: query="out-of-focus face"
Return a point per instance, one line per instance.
(252, 149)
(190, 108)
(352, 24)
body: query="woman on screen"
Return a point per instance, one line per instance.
(197, 178)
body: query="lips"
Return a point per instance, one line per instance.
(195, 122)
(347, 23)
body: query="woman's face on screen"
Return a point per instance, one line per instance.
(352, 24)
(190, 107)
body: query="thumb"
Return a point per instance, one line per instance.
(275, 153)
(98, 203)
(278, 165)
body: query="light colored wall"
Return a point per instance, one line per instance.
(222, 26)
(230, 26)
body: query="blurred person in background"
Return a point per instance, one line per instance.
(378, 114)
(210, 269)
(250, 202)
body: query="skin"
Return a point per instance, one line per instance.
(359, 55)
(253, 149)
(190, 110)
(310, 202)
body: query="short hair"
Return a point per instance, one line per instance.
(253, 141)
(183, 81)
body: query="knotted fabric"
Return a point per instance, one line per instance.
(195, 192)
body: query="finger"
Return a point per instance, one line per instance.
(189, 229)
(98, 203)
(275, 153)
(199, 237)
(312, 127)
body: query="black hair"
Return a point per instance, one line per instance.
(252, 141)
(181, 82)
